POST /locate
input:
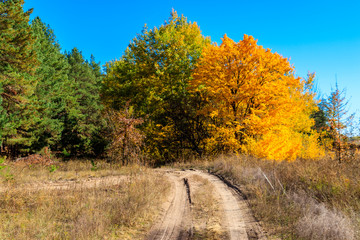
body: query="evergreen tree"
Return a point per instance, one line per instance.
(17, 65)
(338, 119)
(52, 92)
(82, 120)
(96, 68)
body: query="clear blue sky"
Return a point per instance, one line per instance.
(320, 36)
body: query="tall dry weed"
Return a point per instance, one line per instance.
(320, 223)
(327, 193)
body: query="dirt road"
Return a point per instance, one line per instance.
(176, 220)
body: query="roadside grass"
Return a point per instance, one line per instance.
(206, 211)
(123, 210)
(297, 200)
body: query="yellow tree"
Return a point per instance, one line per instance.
(255, 103)
(153, 75)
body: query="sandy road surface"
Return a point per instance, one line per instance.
(238, 217)
(176, 220)
(175, 223)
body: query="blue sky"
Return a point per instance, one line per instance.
(318, 36)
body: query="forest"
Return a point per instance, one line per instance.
(173, 94)
(175, 108)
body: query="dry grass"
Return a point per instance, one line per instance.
(19, 174)
(206, 211)
(319, 222)
(123, 210)
(301, 199)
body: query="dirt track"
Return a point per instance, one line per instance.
(176, 221)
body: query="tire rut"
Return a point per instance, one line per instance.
(176, 222)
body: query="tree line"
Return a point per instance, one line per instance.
(173, 94)
(48, 98)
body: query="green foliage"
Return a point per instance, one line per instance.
(16, 41)
(51, 95)
(5, 170)
(94, 165)
(320, 119)
(66, 153)
(17, 66)
(67, 97)
(53, 168)
(2, 161)
(82, 117)
(47, 99)
(153, 75)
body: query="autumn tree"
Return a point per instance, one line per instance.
(17, 66)
(153, 75)
(126, 139)
(255, 104)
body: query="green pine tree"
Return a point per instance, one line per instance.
(82, 121)
(17, 67)
(52, 92)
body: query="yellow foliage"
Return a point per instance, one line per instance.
(285, 144)
(254, 101)
(279, 144)
(311, 149)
